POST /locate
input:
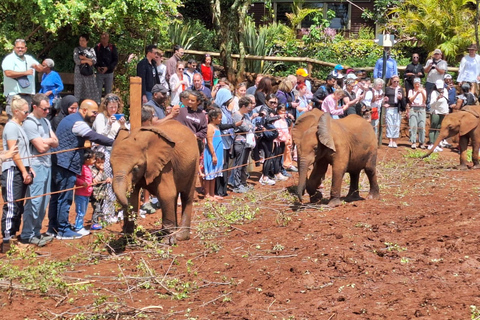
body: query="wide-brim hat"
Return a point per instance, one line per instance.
(473, 46)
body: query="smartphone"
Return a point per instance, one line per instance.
(118, 116)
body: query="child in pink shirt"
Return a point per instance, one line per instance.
(82, 195)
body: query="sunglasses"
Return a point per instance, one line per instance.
(180, 69)
(273, 102)
(112, 98)
(396, 81)
(45, 109)
(26, 112)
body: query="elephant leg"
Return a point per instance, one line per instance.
(130, 217)
(337, 177)
(371, 172)
(316, 178)
(167, 196)
(475, 150)
(463, 146)
(187, 208)
(353, 192)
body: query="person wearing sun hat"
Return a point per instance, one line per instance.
(469, 70)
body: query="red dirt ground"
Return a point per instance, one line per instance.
(412, 254)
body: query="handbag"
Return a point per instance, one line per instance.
(23, 81)
(250, 140)
(86, 69)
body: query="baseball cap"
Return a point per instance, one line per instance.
(439, 84)
(447, 76)
(302, 72)
(417, 80)
(338, 67)
(159, 88)
(351, 76)
(437, 51)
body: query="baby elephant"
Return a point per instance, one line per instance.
(162, 159)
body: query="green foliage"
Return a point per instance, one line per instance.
(448, 25)
(381, 9)
(192, 35)
(298, 13)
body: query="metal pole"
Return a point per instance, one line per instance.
(381, 112)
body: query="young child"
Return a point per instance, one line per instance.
(82, 194)
(99, 190)
(213, 154)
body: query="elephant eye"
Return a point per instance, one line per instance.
(135, 169)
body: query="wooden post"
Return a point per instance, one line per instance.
(309, 68)
(135, 102)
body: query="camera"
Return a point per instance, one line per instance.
(82, 53)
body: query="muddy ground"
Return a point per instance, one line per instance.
(412, 254)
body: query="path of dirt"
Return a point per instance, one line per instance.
(412, 254)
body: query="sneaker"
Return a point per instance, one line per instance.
(83, 232)
(429, 146)
(394, 145)
(120, 215)
(285, 173)
(241, 189)
(148, 208)
(423, 146)
(47, 237)
(280, 177)
(390, 145)
(68, 234)
(51, 232)
(34, 240)
(414, 146)
(142, 213)
(292, 169)
(438, 149)
(96, 226)
(266, 181)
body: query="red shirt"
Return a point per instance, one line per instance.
(207, 73)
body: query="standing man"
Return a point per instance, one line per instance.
(469, 70)
(198, 86)
(253, 88)
(160, 95)
(171, 63)
(413, 70)
(147, 70)
(390, 71)
(19, 74)
(324, 91)
(107, 60)
(435, 69)
(42, 138)
(72, 131)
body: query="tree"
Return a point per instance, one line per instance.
(229, 18)
(444, 24)
(43, 21)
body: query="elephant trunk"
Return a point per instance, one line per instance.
(436, 144)
(302, 177)
(120, 187)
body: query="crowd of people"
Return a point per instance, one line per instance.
(233, 125)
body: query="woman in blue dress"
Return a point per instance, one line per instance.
(51, 84)
(213, 154)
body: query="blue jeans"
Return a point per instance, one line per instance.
(60, 203)
(36, 208)
(81, 205)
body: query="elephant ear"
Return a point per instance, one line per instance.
(467, 122)
(325, 131)
(159, 153)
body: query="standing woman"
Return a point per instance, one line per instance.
(177, 83)
(268, 114)
(240, 92)
(16, 172)
(376, 103)
(416, 113)
(439, 108)
(51, 84)
(394, 106)
(108, 125)
(206, 69)
(263, 90)
(84, 81)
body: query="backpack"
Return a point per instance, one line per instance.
(270, 133)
